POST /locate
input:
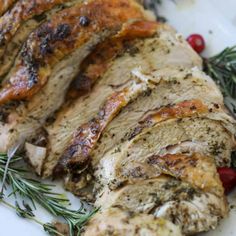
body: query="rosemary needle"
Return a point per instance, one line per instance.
(222, 68)
(10, 153)
(42, 193)
(23, 213)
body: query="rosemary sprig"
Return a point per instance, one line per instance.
(27, 213)
(42, 193)
(222, 68)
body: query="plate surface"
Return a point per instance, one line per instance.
(216, 21)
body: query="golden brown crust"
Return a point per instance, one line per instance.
(87, 135)
(59, 37)
(5, 5)
(179, 110)
(21, 12)
(96, 64)
(76, 156)
(19, 22)
(183, 109)
(196, 169)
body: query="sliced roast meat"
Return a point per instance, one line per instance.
(175, 97)
(195, 180)
(117, 105)
(117, 165)
(20, 21)
(69, 42)
(156, 53)
(87, 135)
(116, 221)
(190, 208)
(61, 36)
(98, 62)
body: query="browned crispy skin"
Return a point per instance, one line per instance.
(96, 64)
(190, 168)
(19, 22)
(22, 11)
(180, 110)
(5, 5)
(85, 138)
(59, 37)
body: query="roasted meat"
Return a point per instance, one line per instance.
(50, 60)
(77, 28)
(119, 164)
(19, 21)
(191, 208)
(177, 98)
(116, 222)
(117, 105)
(153, 52)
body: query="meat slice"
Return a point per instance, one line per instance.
(19, 22)
(156, 53)
(54, 41)
(52, 56)
(182, 95)
(144, 111)
(186, 167)
(5, 5)
(183, 188)
(88, 134)
(98, 62)
(190, 208)
(119, 164)
(116, 221)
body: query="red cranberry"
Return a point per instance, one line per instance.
(228, 178)
(197, 42)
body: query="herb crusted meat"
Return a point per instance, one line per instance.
(115, 80)
(117, 105)
(19, 22)
(50, 60)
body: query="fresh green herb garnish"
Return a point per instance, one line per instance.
(222, 68)
(36, 192)
(49, 228)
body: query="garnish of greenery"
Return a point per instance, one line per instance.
(222, 68)
(36, 192)
(25, 213)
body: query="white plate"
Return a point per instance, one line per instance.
(216, 21)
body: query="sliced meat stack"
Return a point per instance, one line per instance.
(50, 59)
(118, 106)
